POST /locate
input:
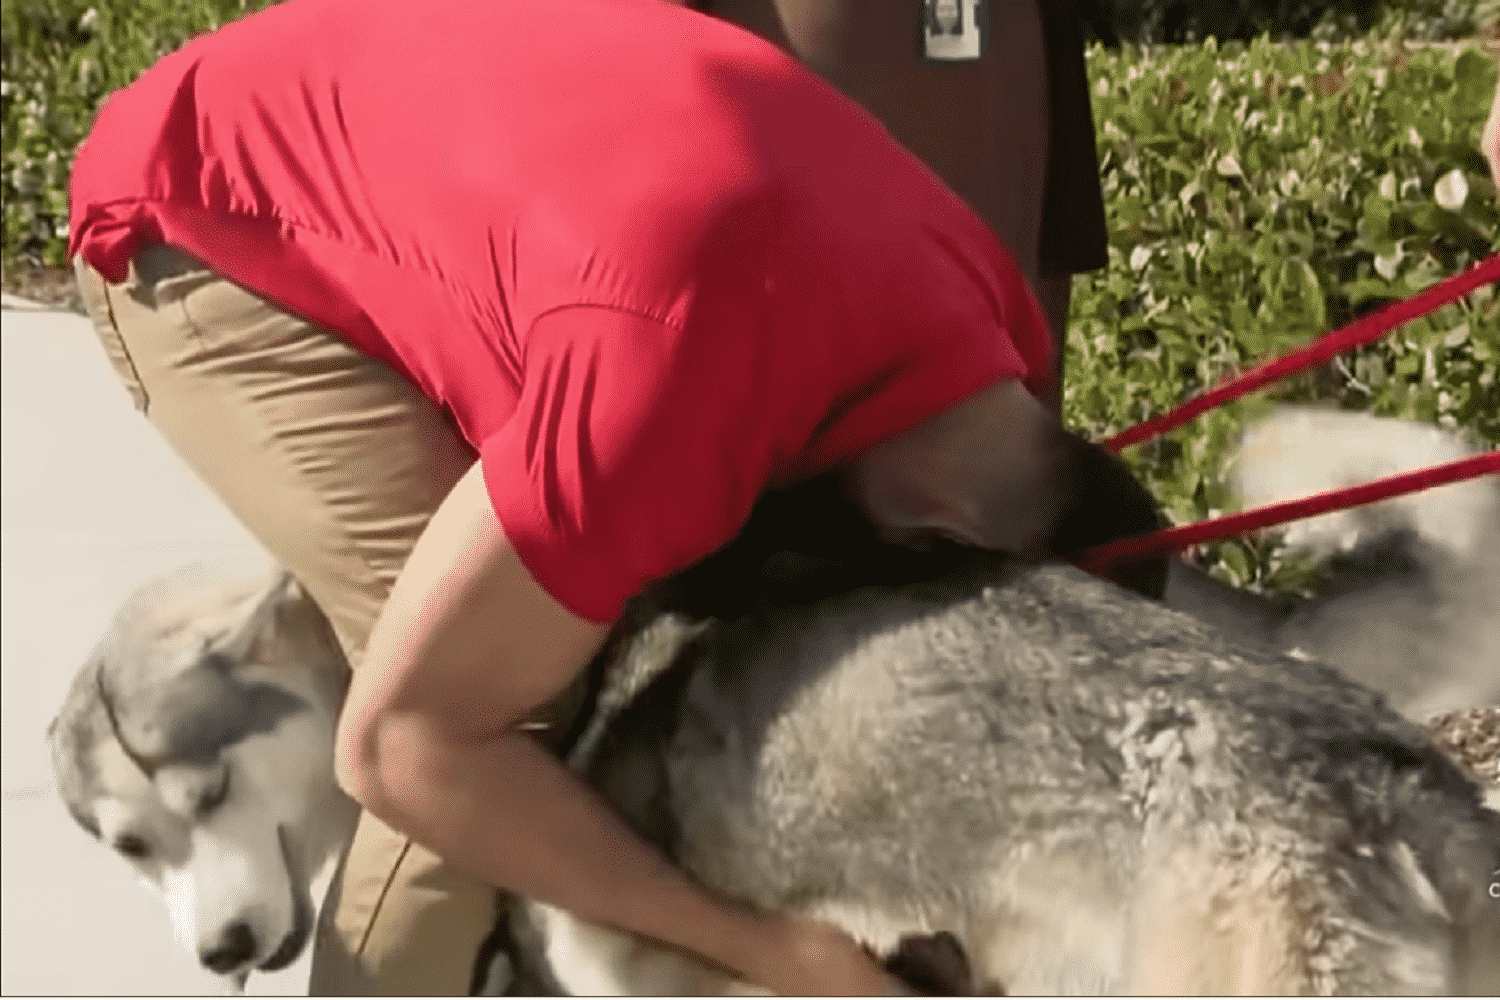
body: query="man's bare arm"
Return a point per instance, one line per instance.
(467, 646)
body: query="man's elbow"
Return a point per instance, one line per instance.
(357, 762)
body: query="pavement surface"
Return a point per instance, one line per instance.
(92, 504)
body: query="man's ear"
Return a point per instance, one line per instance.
(1102, 502)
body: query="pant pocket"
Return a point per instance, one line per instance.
(95, 293)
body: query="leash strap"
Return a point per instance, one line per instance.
(1364, 330)
(1171, 540)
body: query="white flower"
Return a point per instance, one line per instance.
(1388, 186)
(1228, 166)
(1457, 335)
(1139, 256)
(1386, 266)
(1452, 190)
(1101, 89)
(1412, 137)
(89, 19)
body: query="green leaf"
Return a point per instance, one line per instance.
(1473, 76)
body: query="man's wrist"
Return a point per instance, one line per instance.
(742, 940)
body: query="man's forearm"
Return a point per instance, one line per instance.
(467, 645)
(509, 813)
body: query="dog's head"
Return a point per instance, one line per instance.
(196, 742)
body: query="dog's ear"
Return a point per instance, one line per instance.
(283, 586)
(281, 590)
(281, 624)
(1105, 502)
(80, 727)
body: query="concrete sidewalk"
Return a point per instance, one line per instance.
(94, 503)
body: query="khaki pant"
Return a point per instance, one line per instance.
(336, 463)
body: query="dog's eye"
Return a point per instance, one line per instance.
(214, 797)
(132, 846)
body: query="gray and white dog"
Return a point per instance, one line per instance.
(1088, 791)
(197, 743)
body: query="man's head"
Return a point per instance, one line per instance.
(997, 471)
(984, 473)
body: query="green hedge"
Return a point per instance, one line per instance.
(58, 60)
(1179, 21)
(1258, 195)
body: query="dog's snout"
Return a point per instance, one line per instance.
(235, 948)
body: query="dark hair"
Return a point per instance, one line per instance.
(1102, 502)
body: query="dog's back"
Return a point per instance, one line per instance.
(1093, 793)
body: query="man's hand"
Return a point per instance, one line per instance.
(811, 958)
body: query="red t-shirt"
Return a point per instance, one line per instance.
(648, 262)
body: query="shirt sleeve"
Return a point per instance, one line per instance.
(635, 450)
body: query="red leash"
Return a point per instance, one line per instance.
(1176, 539)
(1364, 330)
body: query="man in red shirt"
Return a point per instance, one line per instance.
(642, 266)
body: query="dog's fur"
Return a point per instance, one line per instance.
(1088, 791)
(1411, 601)
(1091, 792)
